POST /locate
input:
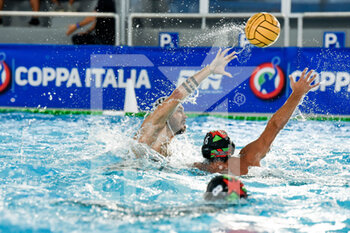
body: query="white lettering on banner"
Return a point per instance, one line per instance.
(212, 82)
(98, 72)
(121, 83)
(110, 79)
(327, 79)
(18, 78)
(133, 75)
(88, 78)
(183, 75)
(49, 74)
(62, 76)
(342, 80)
(74, 78)
(98, 77)
(143, 80)
(34, 76)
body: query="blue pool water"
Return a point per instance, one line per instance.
(75, 174)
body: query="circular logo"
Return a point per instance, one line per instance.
(239, 99)
(5, 76)
(267, 81)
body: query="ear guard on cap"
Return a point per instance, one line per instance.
(216, 146)
(225, 188)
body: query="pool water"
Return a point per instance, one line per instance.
(75, 173)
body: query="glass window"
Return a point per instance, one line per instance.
(299, 6)
(241, 6)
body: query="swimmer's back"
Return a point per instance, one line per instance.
(142, 150)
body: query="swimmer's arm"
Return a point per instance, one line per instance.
(219, 167)
(92, 28)
(251, 154)
(162, 113)
(73, 27)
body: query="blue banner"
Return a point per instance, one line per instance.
(94, 77)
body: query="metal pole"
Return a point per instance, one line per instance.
(203, 10)
(203, 22)
(286, 6)
(122, 21)
(300, 31)
(130, 29)
(117, 32)
(286, 31)
(204, 6)
(125, 22)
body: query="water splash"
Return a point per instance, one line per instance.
(61, 182)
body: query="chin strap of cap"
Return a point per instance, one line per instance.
(171, 130)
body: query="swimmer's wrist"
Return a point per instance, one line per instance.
(298, 93)
(211, 69)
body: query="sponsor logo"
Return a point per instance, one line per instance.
(5, 76)
(210, 84)
(90, 77)
(329, 80)
(239, 99)
(267, 81)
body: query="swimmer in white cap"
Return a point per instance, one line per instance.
(218, 148)
(169, 119)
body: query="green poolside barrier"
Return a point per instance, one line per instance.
(142, 114)
(51, 111)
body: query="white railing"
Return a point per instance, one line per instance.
(203, 17)
(299, 16)
(68, 14)
(120, 26)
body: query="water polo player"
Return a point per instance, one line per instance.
(168, 119)
(226, 188)
(216, 147)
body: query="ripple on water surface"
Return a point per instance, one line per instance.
(75, 173)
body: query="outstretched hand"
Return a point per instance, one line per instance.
(303, 85)
(217, 66)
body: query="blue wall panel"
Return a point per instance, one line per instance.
(94, 77)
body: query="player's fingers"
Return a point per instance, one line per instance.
(218, 53)
(228, 74)
(234, 57)
(231, 55)
(309, 74)
(315, 85)
(230, 58)
(312, 78)
(225, 51)
(304, 72)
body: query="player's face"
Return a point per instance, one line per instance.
(177, 121)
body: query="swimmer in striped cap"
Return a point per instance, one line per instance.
(217, 147)
(226, 188)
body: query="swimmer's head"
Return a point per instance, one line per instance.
(226, 188)
(177, 121)
(217, 146)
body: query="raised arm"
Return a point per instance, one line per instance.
(251, 154)
(158, 118)
(73, 27)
